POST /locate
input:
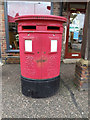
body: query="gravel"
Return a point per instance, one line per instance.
(68, 102)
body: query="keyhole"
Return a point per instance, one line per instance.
(38, 52)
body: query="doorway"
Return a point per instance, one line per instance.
(74, 33)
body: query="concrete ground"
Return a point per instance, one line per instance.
(0, 91)
(68, 102)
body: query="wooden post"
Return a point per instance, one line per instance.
(85, 50)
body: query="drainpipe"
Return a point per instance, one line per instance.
(61, 8)
(51, 8)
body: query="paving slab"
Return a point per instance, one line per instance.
(68, 102)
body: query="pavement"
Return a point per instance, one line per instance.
(0, 91)
(68, 102)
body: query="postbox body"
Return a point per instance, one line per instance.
(40, 41)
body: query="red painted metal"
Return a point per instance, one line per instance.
(11, 19)
(41, 63)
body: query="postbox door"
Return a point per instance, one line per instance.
(31, 56)
(51, 53)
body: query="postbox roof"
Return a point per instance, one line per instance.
(40, 17)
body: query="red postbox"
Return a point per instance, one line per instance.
(40, 39)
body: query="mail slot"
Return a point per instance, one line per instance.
(40, 40)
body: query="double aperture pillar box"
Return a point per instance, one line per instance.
(40, 39)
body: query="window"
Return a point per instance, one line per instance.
(76, 16)
(75, 32)
(13, 8)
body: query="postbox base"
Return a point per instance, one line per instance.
(40, 88)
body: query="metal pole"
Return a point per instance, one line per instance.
(51, 8)
(61, 8)
(6, 24)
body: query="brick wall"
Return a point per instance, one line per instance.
(2, 28)
(56, 8)
(5, 55)
(82, 74)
